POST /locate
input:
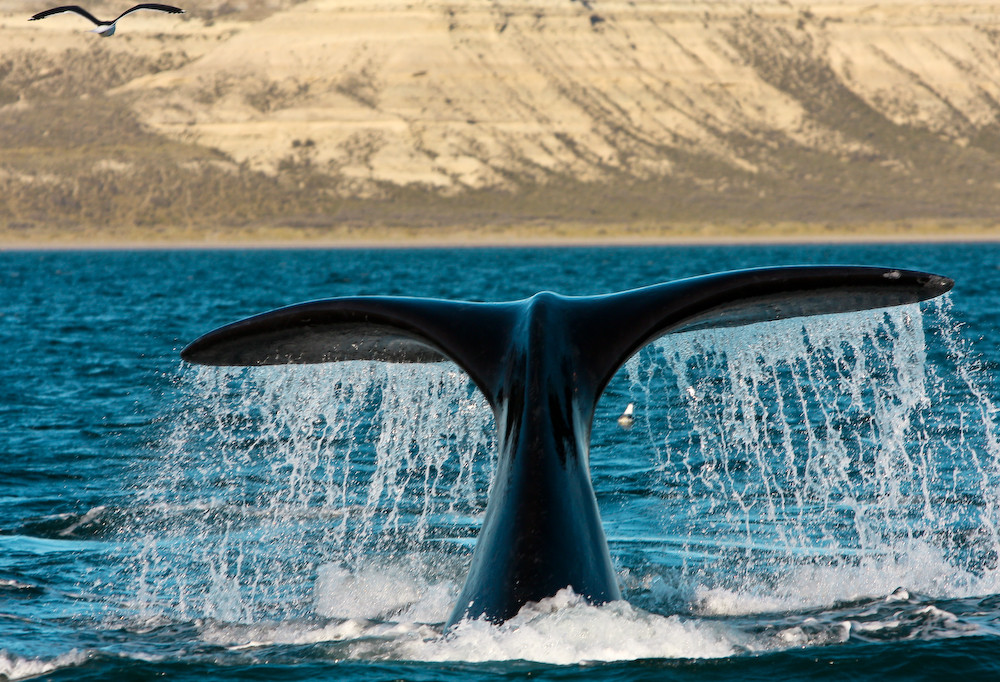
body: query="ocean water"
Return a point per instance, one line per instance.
(813, 499)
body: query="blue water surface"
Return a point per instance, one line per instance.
(148, 527)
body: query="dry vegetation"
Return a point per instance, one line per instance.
(79, 162)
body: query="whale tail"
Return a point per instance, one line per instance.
(609, 328)
(542, 364)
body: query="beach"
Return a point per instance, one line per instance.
(539, 235)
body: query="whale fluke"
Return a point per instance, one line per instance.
(542, 364)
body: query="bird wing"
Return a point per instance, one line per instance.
(151, 5)
(66, 8)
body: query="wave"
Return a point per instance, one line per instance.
(381, 616)
(95, 522)
(15, 588)
(14, 667)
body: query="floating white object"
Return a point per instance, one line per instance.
(626, 420)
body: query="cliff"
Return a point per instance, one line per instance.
(323, 114)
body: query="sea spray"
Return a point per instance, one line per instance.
(276, 475)
(796, 463)
(803, 459)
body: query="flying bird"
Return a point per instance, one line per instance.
(105, 29)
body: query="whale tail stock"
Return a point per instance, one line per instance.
(542, 363)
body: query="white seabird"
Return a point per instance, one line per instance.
(625, 420)
(106, 29)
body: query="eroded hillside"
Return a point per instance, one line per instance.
(333, 112)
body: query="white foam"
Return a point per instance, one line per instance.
(14, 667)
(16, 585)
(381, 593)
(561, 630)
(922, 568)
(812, 633)
(90, 517)
(566, 630)
(241, 637)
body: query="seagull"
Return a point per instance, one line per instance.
(625, 420)
(105, 29)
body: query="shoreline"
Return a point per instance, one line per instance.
(348, 126)
(554, 235)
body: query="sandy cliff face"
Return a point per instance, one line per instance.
(835, 111)
(476, 94)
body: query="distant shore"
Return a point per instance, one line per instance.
(316, 124)
(549, 234)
